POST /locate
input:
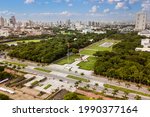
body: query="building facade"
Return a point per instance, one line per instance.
(1, 21)
(140, 21)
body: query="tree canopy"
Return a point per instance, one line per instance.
(124, 62)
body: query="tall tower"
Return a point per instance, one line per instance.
(13, 20)
(1, 21)
(140, 21)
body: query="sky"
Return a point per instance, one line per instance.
(76, 10)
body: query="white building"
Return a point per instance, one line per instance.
(144, 33)
(140, 21)
(146, 45)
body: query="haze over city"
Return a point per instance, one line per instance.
(76, 10)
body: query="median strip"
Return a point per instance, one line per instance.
(78, 78)
(125, 90)
(43, 70)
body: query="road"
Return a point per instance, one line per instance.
(88, 75)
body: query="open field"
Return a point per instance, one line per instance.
(88, 65)
(90, 50)
(25, 41)
(78, 78)
(65, 60)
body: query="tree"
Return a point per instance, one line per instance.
(137, 97)
(88, 86)
(82, 74)
(2, 68)
(71, 96)
(96, 84)
(127, 85)
(75, 51)
(115, 91)
(125, 96)
(4, 97)
(139, 86)
(104, 91)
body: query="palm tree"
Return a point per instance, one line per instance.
(139, 86)
(104, 91)
(88, 86)
(125, 96)
(115, 91)
(110, 79)
(127, 85)
(137, 97)
(148, 89)
(76, 84)
(119, 81)
(96, 84)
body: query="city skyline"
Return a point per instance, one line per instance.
(84, 10)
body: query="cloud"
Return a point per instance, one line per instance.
(146, 5)
(114, 1)
(70, 4)
(106, 10)
(7, 13)
(65, 13)
(120, 5)
(93, 9)
(133, 1)
(29, 1)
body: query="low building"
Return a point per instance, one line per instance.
(4, 33)
(146, 45)
(144, 33)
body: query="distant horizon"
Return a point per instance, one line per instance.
(75, 10)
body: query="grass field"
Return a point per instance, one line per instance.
(90, 50)
(78, 78)
(43, 70)
(65, 60)
(88, 65)
(25, 41)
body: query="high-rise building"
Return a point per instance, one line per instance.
(1, 21)
(140, 21)
(13, 20)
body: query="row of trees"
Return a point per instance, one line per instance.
(124, 62)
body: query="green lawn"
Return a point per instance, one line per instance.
(35, 83)
(78, 78)
(65, 60)
(48, 86)
(91, 49)
(88, 65)
(83, 97)
(43, 70)
(125, 90)
(25, 41)
(87, 52)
